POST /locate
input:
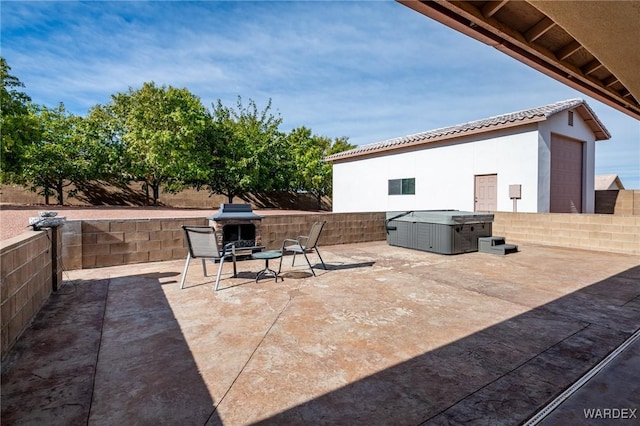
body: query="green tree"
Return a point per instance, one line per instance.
(57, 158)
(160, 130)
(246, 151)
(19, 127)
(312, 174)
(103, 135)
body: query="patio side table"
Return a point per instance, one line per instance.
(267, 255)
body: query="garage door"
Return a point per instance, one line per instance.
(566, 175)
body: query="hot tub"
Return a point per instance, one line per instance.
(438, 231)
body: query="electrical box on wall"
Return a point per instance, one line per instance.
(515, 192)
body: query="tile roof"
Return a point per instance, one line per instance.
(512, 119)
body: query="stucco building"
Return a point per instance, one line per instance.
(544, 155)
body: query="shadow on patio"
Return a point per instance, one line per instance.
(401, 337)
(114, 335)
(502, 374)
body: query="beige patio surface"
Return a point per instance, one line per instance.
(385, 336)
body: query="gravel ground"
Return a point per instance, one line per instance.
(14, 220)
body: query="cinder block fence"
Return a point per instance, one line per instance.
(100, 243)
(603, 232)
(28, 275)
(27, 278)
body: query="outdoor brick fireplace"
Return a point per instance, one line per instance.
(237, 223)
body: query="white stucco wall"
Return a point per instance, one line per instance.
(444, 173)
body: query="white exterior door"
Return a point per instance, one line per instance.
(486, 193)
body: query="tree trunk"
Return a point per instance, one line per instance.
(156, 193)
(145, 186)
(60, 191)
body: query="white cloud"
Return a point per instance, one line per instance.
(366, 70)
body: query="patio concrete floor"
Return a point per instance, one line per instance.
(385, 336)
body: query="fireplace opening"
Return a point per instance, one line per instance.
(242, 234)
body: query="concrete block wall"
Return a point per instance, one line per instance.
(26, 281)
(628, 202)
(121, 242)
(625, 202)
(26, 268)
(100, 243)
(604, 232)
(72, 247)
(341, 228)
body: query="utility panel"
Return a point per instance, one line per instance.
(515, 191)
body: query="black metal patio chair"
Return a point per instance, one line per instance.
(304, 244)
(203, 243)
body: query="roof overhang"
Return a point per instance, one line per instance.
(590, 46)
(417, 143)
(454, 134)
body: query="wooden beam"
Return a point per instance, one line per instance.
(459, 14)
(538, 30)
(610, 81)
(489, 9)
(591, 67)
(568, 50)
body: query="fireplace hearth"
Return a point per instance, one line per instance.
(238, 224)
(242, 234)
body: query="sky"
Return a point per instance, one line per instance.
(367, 70)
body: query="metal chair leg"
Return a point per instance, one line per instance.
(204, 267)
(323, 265)
(219, 273)
(309, 263)
(235, 269)
(184, 273)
